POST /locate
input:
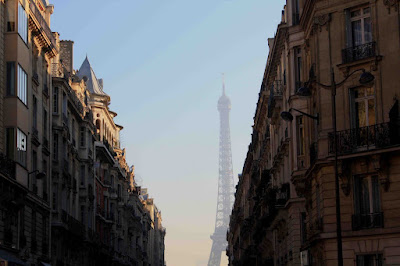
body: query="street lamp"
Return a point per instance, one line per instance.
(365, 78)
(287, 116)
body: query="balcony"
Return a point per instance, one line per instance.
(365, 138)
(40, 29)
(35, 78)
(367, 221)
(358, 52)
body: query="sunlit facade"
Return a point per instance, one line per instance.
(67, 194)
(285, 206)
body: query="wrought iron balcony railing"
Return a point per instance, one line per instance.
(367, 221)
(365, 138)
(358, 52)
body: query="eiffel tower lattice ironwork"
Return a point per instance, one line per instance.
(225, 183)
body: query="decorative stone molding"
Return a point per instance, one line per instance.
(381, 165)
(321, 21)
(391, 3)
(344, 173)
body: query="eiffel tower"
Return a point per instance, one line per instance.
(225, 183)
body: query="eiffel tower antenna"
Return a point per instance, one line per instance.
(225, 182)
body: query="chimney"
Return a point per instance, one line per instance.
(67, 55)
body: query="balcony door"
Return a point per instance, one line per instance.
(363, 113)
(361, 26)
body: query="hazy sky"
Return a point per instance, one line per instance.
(161, 61)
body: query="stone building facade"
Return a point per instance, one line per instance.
(68, 195)
(285, 205)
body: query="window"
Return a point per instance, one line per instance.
(55, 100)
(10, 78)
(34, 112)
(83, 214)
(22, 23)
(369, 260)
(33, 183)
(303, 225)
(298, 67)
(44, 123)
(10, 13)
(361, 30)
(82, 137)
(55, 147)
(367, 203)
(296, 12)
(363, 107)
(21, 147)
(300, 135)
(10, 143)
(82, 174)
(22, 84)
(55, 190)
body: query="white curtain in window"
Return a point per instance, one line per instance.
(21, 140)
(357, 32)
(22, 85)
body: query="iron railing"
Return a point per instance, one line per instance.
(365, 138)
(367, 221)
(358, 52)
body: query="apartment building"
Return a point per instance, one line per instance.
(29, 47)
(328, 61)
(68, 195)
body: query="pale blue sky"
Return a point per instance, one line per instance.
(161, 61)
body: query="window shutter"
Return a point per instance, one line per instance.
(349, 34)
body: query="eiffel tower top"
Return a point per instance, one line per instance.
(224, 103)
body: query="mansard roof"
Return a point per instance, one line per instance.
(92, 83)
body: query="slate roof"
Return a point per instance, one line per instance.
(92, 83)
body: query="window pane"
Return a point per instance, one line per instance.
(22, 23)
(357, 33)
(371, 112)
(364, 202)
(375, 194)
(360, 114)
(367, 30)
(10, 78)
(22, 84)
(355, 13)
